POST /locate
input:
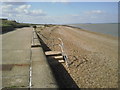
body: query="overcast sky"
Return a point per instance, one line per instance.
(61, 12)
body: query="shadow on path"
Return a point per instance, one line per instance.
(4, 30)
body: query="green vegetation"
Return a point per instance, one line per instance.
(9, 25)
(49, 25)
(14, 24)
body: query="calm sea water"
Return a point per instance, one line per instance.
(111, 29)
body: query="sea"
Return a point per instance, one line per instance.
(110, 29)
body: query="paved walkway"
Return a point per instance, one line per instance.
(23, 66)
(16, 55)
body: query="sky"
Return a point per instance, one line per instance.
(60, 12)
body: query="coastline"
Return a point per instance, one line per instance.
(92, 32)
(93, 56)
(103, 28)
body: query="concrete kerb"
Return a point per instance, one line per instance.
(42, 76)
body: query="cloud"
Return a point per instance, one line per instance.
(24, 6)
(25, 9)
(14, 3)
(94, 12)
(97, 11)
(59, 0)
(7, 8)
(25, 13)
(22, 1)
(22, 9)
(37, 12)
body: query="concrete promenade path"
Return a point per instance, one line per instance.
(24, 66)
(16, 56)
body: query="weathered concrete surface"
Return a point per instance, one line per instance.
(16, 53)
(42, 76)
(0, 60)
(15, 56)
(18, 57)
(35, 40)
(18, 39)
